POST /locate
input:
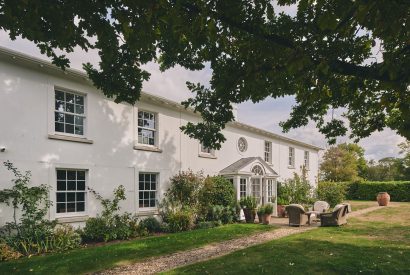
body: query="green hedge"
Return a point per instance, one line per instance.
(368, 190)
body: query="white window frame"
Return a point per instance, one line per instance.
(86, 197)
(84, 115)
(155, 129)
(270, 193)
(268, 152)
(306, 159)
(291, 158)
(205, 151)
(149, 208)
(243, 192)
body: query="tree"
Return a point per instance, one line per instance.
(340, 164)
(358, 152)
(322, 56)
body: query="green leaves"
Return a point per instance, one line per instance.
(324, 56)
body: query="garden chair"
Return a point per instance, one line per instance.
(337, 217)
(297, 215)
(319, 207)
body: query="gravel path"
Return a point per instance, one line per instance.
(162, 263)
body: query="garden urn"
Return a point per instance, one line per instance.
(383, 198)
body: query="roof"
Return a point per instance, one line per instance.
(241, 163)
(24, 59)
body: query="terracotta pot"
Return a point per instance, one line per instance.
(383, 198)
(266, 218)
(249, 215)
(281, 211)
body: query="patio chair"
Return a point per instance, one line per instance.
(319, 207)
(297, 215)
(337, 217)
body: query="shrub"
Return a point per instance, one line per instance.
(368, 190)
(185, 188)
(32, 233)
(180, 221)
(217, 191)
(111, 225)
(151, 225)
(248, 202)
(296, 190)
(331, 192)
(222, 214)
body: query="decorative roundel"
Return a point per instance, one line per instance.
(242, 144)
(257, 170)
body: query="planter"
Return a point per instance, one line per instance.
(260, 217)
(249, 215)
(383, 198)
(281, 211)
(266, 218)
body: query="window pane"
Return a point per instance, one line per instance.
(59, 95)
(61, 186)
(60, 106)
(59, 127)
(69, 98)
(69, 128)
(79, 109)
(61, 174)
(141, 185)
(71, 175)
(71, 185)
(79, 99)
(69, 119)
(60, 197)
(79, 130)
(69, 107)
(80, 206)
(79, 120)
(70, 196)
(80, 175)
(61, 208)
(70, 207)
(80, 185)
(59, 117)
(80, 196)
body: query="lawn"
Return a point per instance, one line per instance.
(97, 258)
(359, 205)
(375, 243)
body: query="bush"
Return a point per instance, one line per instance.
(296, 190)
(111, 225)
(66, 238)
(180, 221)
(150, 224)
(185, 188)
(217, 191)
(331, 192)
(222, 214)
(367, 190)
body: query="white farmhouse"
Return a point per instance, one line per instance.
(62, 129)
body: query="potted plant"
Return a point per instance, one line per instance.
(267, 213)
(248, 205)
(261, 213)
(282, 202)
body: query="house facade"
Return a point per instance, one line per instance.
(62, 129)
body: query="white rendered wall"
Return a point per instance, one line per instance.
(26, 120)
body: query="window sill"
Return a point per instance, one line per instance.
(291, 167)
(73, 139)
(147, 148)
(72, 219)
(148, 212)
(208, 156)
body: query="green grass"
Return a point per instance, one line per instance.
(375, 243)
(97, 258)
(359, 205)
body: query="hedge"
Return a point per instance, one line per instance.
(368, 190)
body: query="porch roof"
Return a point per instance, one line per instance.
(237, 166)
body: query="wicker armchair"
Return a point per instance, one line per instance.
(337, 217)
(319, 207)
(297, 215)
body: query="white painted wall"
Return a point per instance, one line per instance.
(26, 120)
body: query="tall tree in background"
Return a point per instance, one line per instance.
(322, 56)
(339, 164)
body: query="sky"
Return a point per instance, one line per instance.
(266, 114)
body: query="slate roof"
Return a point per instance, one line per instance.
(238, 165)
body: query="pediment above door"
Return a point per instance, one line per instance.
(249, 166)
